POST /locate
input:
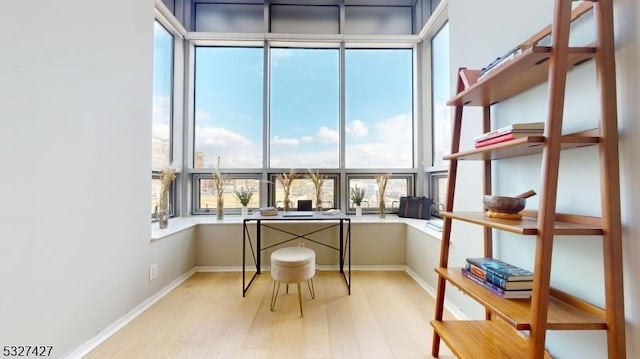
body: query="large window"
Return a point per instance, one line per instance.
(441, 92)
(397, 186)
(379, 108)
(441, 130)
(228, 107)
(304, 132)
(304, 107)
(162, 107)
(302, 188)
(205, 198)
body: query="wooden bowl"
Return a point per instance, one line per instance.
(504, 204)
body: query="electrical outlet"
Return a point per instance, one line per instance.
(153, 271)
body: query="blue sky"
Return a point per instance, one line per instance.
(304, 108)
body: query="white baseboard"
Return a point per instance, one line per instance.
(114, 327)
(87, 347)
(457, 313)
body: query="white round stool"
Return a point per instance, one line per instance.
(292, 265)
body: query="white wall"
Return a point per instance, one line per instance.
(75, 110)
(480, 31)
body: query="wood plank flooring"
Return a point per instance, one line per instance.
(386, 316)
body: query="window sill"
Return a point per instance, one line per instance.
(179, 224)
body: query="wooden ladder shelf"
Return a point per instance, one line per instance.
(498, 335)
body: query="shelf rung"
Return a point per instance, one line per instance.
(482, 339)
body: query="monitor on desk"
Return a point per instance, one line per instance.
(304, 205)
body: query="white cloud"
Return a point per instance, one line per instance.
(358, 128)
(324, 134)
(391, 147)
(277, 140)
(235, 151)
(306, 139)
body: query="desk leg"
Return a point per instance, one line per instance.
(349, 249)
(341, 246)
(244, 240)
(258, 246)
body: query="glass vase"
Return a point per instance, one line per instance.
(245, 211)
(286, 201)
(358, 210)
(162, 214)
(220, 208)
(382, 213)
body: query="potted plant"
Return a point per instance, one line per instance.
(357, 196)
(244, 195)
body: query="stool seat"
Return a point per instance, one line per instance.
(292, 265)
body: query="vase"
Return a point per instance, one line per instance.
(318, 201)
(220, 208)
(382, 213)
(358, 210)
(286, 201)
(245, 211)
(163, 217)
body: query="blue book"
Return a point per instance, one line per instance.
(502, 270)
(507, 294)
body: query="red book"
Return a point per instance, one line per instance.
(506, 137)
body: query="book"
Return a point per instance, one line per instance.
(497, 281)
(501, 269)
(507, 294)
(495, 64)
(533, 127)
(269, 211)
(505, 137)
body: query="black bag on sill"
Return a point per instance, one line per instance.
(415, 207)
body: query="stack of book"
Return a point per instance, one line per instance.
(502, 279)
(508, 133)
(268, 211)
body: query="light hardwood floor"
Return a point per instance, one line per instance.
(386, 316)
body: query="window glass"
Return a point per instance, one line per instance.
(304, 189)
(228, 107)
(379, 108)
(161, 123)
(304, 108)
(396, 188)
(441, 92)
(207, 199)
(162, 97)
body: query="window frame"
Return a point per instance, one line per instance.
(196, 195)
(332, 176)
(155, 172)
(409, 177)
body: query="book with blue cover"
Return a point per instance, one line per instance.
(507, 294)
(501, 269)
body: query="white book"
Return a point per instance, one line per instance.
(529, 127)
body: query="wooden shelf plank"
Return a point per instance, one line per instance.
(527, 70)
(525, 146)
(482, 339)
(517, 312)
(526, 226)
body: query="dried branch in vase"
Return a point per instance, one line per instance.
(167, 176)
(219, 180)
(318, 180)
(382, 180)
(285, 181)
